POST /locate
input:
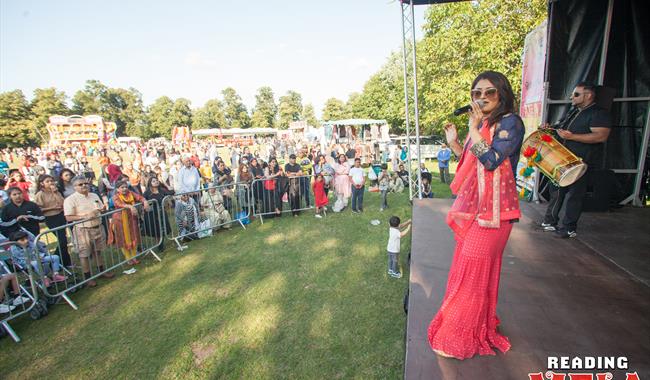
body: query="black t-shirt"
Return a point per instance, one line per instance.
(10, 212)
(350, 153)
(292, 168)
(590, 117)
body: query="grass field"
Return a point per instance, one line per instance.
(290, 298)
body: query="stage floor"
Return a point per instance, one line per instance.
(558, 297)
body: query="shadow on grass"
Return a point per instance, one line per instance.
(293, 298)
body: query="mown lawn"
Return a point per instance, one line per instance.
(290, 298)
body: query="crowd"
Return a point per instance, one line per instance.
(56, 188)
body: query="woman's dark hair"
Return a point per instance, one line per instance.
(504, 90)
(41, 179)
(13, 189)
(121, 183)
(161, 184)
(394, 221)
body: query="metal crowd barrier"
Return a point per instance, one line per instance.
(99, 245)
(282, 194)
(197, 214)
(26, 301)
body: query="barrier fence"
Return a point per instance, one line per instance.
(282, 194)
(99, 245)
(197, 214)
(19, 291)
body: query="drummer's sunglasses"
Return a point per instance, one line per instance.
(489, 93)
(576, 94)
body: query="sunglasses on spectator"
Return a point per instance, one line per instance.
(488, 92)
(82, 184)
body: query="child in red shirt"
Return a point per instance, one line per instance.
(320, 196)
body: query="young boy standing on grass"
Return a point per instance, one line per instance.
(395, 233)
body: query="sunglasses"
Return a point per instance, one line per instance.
(576, 94)
(488, 93)
(82, 184)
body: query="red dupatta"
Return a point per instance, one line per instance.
(488, 197)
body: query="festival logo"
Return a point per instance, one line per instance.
(584, 368)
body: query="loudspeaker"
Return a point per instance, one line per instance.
(601, 187)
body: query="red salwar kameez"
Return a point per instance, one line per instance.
(481, 218)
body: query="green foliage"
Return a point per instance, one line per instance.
(181, 115)
(265, 111)
(290, 109)
(89, 101)
(159, 115)
(309, 116)
(209, 116)
(15, 125)
(46, 102)
(234, 110)
(123, 107)
(334, 109)
(462, 40)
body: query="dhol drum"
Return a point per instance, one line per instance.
(558, 163)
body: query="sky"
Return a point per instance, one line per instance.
(195, 49)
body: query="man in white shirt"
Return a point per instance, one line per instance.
(358, 181)
(188, 178)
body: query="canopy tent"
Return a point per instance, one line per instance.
(234, 131)
(354, 122)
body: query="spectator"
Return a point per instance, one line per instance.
(271, 200)
(50, 200)
(187, 217)
(342, 186)
(321, 166)
(157, 191)
(244, 180)
(403, 175)
(358, 181)
(444, 155)
(426, 188)
(89, 238)
(64, 183)
(293, 171)
(320, 197)
(188, 178)
(383, 180)
(213, 209)
(20, 213)
(125, 225)
(16, 179)
(395, 233)
(24, 251)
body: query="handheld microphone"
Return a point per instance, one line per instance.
(467, 108)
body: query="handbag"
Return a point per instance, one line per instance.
(269, 184)
(242, 216)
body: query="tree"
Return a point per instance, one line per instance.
(354, 108)
(15, 124)
(468, 38)
(234, 109)
(209, 116)
(90, 100)
(265, 110)
(181, 115)
(309, 116)
(46, 102)
(126, 110)
(290, 109)
(334, 109)
(159, 115)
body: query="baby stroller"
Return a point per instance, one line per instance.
(23, 300)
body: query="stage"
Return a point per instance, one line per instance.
(587, 296)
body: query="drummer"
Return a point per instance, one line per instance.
(582, 131)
